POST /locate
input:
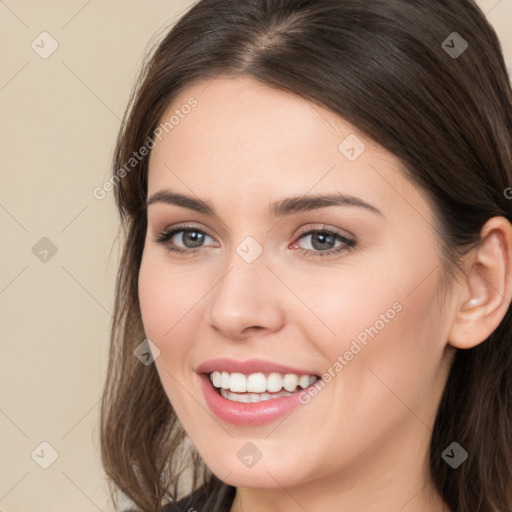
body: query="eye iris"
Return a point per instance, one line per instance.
(195, 237)
(323, 239)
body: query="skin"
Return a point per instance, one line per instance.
(361, 443)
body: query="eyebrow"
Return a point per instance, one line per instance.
(282, 208)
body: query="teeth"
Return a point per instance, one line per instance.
(252, 397)
(238, 383)
(290, 382)
(274, 382)
(216, 379)
(304, 381)
(259, 383)
(256, 382)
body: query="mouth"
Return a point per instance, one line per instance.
(258, 387)
(253, 391)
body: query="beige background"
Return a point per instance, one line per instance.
(58, 120)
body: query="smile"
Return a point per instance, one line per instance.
(258, 387)
(252, 392)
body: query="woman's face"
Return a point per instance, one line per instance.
(347, 291)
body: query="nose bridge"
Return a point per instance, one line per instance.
(242, 297)
(246, 266)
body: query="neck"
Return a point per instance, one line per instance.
(313, 499)
(388, 479)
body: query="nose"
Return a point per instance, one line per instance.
(245, 301)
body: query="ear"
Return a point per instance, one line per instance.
(487, 289)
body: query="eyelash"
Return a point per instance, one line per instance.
(348, 244)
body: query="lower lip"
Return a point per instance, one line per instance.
(239, 413)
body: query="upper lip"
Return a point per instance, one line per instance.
(248, 366)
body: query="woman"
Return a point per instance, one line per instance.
(312, 302)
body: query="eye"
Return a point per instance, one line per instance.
(323, 242)
(191, 237)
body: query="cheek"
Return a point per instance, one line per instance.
(169, 318)
(384, 319)
(167, 305)
(156, 300)
(392, 347)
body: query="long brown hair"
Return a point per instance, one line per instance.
(439, 101)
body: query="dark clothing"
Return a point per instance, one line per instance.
(187, 504)
(180, 506)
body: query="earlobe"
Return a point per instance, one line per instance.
(486, 294)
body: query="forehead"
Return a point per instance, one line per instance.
(245, 117)
(258, 141)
